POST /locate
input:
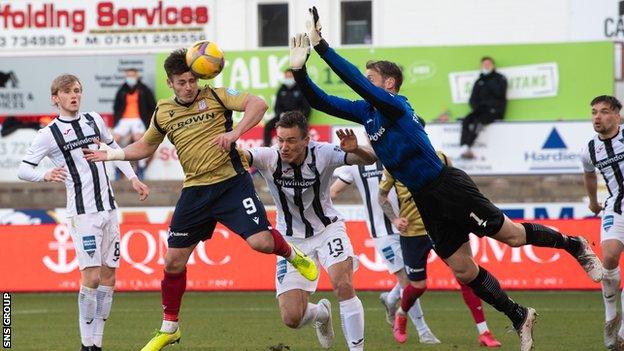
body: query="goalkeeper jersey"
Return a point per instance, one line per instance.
(398, 138)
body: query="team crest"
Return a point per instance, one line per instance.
(91, 123)
(171, 113)
(202, 105)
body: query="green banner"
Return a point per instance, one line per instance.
(546, 81)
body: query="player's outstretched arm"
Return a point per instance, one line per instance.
(138, 150)
(351, 75)
(356, 154)
(254, 108)
(316, 97)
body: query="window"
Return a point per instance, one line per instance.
(273, 24)
(356, 22)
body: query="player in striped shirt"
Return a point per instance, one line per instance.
(605, 153)
(91, 208)
(385, 237)
(298, 173)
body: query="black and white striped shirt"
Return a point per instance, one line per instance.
(608, 157)
(87, 183)
(301, 192)
(367, 179)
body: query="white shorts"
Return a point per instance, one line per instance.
(129, 126)
(612, 226)
(96, 239)
(327, 248)
(389, 247)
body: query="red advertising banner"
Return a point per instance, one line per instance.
(41, 258)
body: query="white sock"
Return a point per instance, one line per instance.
(169, 326)
(104, 296)
(482, 327)
(313, 313)
(610, 287)
(394, 295)
(418, 318)
(87, 303)
(352, 318)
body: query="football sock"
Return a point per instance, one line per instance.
(280, 246)
(540, 235)
(610, 288)
(474, 305)
(352, 318)
(489, 290)
(87, 304)
(104, 297)
(313, 313)
(410, 294)
(394, 295)
(418, 318)
(172, 286)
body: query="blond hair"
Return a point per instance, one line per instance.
(63, 81)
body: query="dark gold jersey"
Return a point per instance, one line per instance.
(193, 127)
(407, 206)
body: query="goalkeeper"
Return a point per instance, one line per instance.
(449, 202)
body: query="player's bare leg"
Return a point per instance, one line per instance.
(351, 309)
(611, 251)
(296, 311)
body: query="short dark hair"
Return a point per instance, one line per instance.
(175, 63)
(291, 119)
(388, 70)
(613, 102)
(488, 58)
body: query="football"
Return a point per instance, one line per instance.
(205, 59)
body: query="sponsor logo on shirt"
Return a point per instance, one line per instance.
(375, 136)
(292, 183)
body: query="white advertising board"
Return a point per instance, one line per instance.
(514, 147)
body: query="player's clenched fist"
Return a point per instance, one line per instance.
(401, 224)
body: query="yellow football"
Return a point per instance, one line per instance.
(205, 59)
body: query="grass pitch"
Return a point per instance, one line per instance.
(250, 321)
